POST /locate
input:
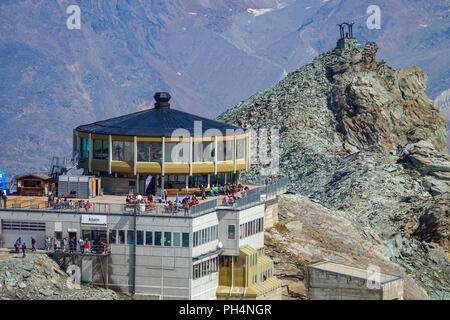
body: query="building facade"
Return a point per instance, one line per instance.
(213, 252)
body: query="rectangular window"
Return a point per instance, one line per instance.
(220, 150)
(231, 232)
(240, 149)
(229, 149)
(128, 154)
(157, 238)
(176, 152)
(118, 150)
(167, 239)
(130, 236)
(143, 152)
(155, 151)
(101, 151)
(148, 238)
(176, 239)
(208, 151)
(196, 273)
(112, 237)
(58, 235)
(121, 236)
(185, 239)
(140, 237)
(84, 148)
(203, 236)
(198, 151)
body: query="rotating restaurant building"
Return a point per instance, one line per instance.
(173, 149)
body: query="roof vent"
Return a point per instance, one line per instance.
(162, 100)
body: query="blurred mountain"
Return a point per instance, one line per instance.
(208, 54)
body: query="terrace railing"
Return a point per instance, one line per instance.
(245, 200)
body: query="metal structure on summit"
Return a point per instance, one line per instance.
(349, 32)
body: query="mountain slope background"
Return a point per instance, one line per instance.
(208, 54)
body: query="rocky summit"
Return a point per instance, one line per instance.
(365, 141)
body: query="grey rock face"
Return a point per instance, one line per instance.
(365, 141)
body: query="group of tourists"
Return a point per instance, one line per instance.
(138, 198)
(60, 203)
(70, 246)
(19, 244)
(227, 190)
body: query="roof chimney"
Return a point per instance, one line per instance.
(162, 100)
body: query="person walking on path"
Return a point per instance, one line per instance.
(33, 244)
(4, 198)
(81, 244)
(72, 245)
(17, 246)
(24, 247)
(55, 244)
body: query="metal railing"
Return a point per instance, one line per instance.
(93, 249)
(245, 199)
(278, 187)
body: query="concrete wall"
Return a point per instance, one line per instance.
(393, 290)
(227, 217)
(326, 285)
(271, 213)
(160, 272)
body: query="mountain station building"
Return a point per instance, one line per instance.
(170, 149)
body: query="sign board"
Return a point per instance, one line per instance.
(72, 230)
(58, 226)
(93, 219)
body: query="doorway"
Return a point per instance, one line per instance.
(73, 235)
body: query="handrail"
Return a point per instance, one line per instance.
(244, 199)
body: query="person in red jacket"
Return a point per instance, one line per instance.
(87, 246)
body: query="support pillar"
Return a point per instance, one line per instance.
(90, 152)
(190, 155)
(110, 154)
(163, 155)
(135, 155)
(234, 154)
(78, 144)
(215, 155)
(137, 183)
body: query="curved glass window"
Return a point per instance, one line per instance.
(228, 149)
(123, 151)
(198, 151)
(208, 151)
(176, 152)
(84, 148)
(101, 149)
(143, 152)
(240, 146)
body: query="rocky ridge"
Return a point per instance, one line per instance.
(38, 277)
(365, 141)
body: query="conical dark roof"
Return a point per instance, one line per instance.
(156, 122)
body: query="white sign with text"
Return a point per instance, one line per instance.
(91, 219)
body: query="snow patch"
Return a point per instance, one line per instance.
(258, 12)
